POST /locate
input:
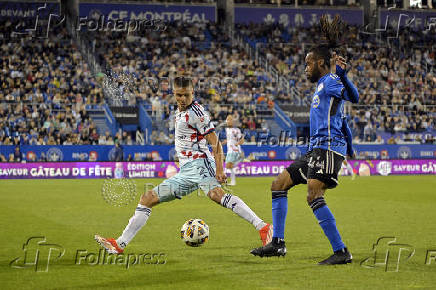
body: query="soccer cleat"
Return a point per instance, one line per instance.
(273, 249)
(266, 234)
(110, 245)
(339, 257)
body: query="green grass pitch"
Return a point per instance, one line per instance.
(69, 212)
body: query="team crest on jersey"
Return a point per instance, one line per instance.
(315, 102)
(320, 87)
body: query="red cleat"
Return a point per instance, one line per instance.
(266, 234)
(110, 245)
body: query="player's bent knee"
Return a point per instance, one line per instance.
(276, 185)
(216, 194)
(149, 199)
(282, 182)
(314, 192)
(229, 165)
(311, 196)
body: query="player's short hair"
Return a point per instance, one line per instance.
(183, 82)
(331, 41)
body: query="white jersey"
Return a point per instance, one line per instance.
(233, 135)
(191, 127)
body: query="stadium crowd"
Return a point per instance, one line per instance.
(47, 88)
(396, 79)
(230, 82)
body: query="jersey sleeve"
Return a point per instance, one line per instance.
(334, 87)
(201, 122)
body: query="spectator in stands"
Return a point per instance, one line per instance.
(17, 154)
(110, 141)
(139, 137)
(129, 140)
(42, 157)
(94, 137)
(430, 139)
(154, 137)
(163, 139)
(102, 140)
(118, 153)
(391, 141)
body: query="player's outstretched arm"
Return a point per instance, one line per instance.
(351, 94)
(217, 149)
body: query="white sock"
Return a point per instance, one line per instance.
(136, 222)
(241, 209)
(350, 169)
(232, 175)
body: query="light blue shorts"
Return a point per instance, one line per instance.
(234, 157)
(199, 173)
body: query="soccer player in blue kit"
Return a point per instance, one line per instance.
(329, 143)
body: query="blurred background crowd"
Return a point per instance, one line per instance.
(47, 90)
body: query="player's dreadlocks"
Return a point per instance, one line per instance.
(331, 40)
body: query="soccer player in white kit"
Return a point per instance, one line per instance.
(346, 165)
(234, 140)
(198, 169)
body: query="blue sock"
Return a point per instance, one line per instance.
(327, 222)
(279, 211)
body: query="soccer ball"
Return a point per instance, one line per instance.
(194, 232)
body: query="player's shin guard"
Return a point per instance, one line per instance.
(136, 222)
(279, 212)
(241, 209)
(327, 222)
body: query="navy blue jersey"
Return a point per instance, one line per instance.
(326, 112)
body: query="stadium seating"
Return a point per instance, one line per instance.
(47, 90)
(395, 76)
(57, 100)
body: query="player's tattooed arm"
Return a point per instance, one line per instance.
(218, 154)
